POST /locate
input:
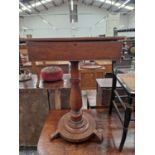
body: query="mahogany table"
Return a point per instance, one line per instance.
(76, 125)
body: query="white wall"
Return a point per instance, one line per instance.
(112, 21)
(58, 17)
(127, 21)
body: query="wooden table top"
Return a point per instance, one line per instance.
(110, 126)
(74, 49)
(43, 63)
(128, 81)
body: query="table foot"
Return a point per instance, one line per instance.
(55, 135)
(77, 132)
(98, 135)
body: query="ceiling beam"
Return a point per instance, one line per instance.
(119, 9)
(53, 2)
(43, 5)
(124, 5)
(24, 10)
(102, 4)
(130, 11)
(33, 7)
(111, 6)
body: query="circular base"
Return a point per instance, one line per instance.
(76, 132)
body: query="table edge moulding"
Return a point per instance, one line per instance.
(76, 125)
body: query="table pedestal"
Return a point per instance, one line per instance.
(77, 132)
(76, 126)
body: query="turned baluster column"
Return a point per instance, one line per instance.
(75, 94)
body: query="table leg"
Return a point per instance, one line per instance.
(76, 126)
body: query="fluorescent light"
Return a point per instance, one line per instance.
(119, 4)
(33, 5)
(25, 7)
(72, 5)
(48, 0)
(129, 7)
(122, 5)
(108, 1)
(127, 1)
(44, 2)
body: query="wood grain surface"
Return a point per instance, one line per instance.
(74, 49)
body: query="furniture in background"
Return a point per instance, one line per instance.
(41, 64)
(88, 77)
(107, 64)
(58, 92)
(126, 78)
(100, 97)
(103, 88)
(33, 110)
(116, 31)
(91, 99)
(39, 99)
(23, 53)
(35, 103)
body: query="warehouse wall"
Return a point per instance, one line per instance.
(60, 26)
(127, 21)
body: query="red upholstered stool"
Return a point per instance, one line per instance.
(52, 73)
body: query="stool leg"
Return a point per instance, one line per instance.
(112, 94)
(127, 118)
